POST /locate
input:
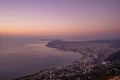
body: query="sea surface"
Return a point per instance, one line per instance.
(19, 57)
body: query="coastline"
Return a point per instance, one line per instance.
(82, 66)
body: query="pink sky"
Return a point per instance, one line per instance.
(60, 17)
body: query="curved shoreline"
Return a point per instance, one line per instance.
(83, 65)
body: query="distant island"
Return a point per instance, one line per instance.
(100, 61)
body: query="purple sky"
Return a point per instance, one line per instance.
(60, 17)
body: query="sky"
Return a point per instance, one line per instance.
(60, 17)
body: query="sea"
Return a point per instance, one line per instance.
(23, 56)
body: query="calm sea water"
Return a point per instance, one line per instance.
(19, 57)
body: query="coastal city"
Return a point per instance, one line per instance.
(59, 39)
(95, 54)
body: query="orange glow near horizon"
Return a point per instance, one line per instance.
(44, 18)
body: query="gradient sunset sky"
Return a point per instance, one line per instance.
(60, 17)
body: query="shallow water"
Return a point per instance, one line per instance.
(21, 57)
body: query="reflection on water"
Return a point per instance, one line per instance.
(20, 57)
